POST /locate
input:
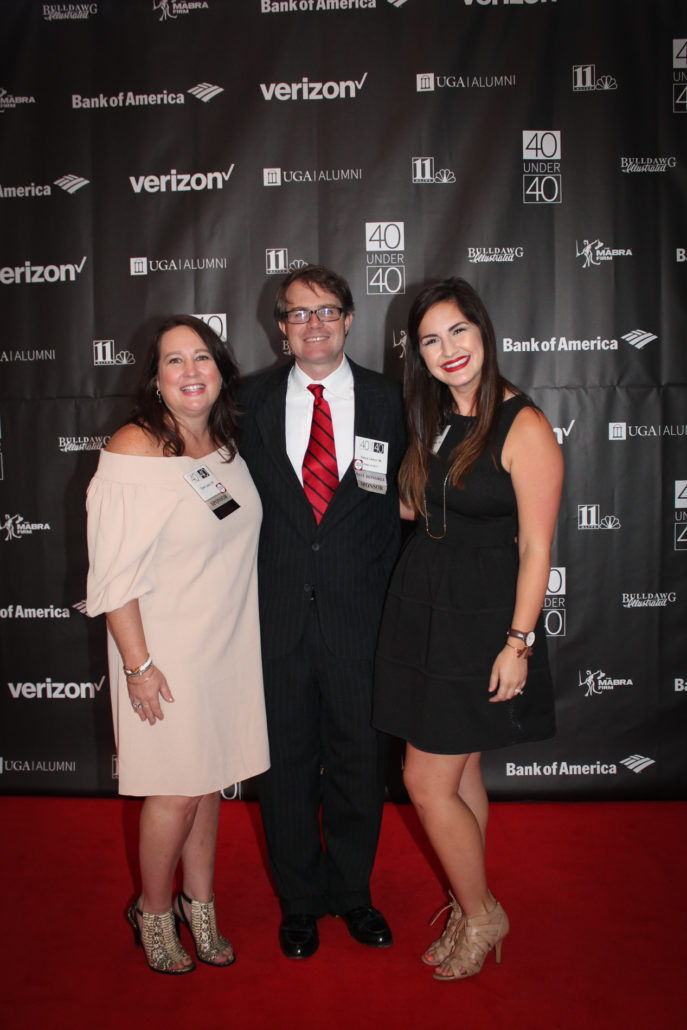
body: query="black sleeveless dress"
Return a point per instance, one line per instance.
(449, 605)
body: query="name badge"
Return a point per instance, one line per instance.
(370, 463)
(211, 492)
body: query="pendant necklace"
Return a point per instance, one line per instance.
(443, 534)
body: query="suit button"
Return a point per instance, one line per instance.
(315, 547)
(308, 588)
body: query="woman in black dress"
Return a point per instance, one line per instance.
(462, 664)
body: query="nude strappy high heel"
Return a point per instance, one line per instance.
(211, 947)
(441, 948)
(478, 936)
(160, 940)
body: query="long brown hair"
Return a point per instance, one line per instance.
(429, 403)
(151, 413)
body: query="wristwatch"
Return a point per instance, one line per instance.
(527, 638)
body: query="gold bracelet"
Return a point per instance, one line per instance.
(520, 651)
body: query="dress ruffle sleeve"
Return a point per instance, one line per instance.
(124, 523)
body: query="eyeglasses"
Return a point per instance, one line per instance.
(327, 313)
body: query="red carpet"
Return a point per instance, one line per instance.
(594, 893)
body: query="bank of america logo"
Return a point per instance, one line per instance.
(396, 3)
(71, 183)
(205, 91)
(638, 338)
(638, 763)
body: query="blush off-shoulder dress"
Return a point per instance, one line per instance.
(448, 609)
(151, 537)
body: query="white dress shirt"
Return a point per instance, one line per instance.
(339, 394)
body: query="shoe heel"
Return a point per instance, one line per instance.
(131, 916)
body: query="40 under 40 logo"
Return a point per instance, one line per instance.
(680, 76)
(385, 246)
(554, 603)
(681, 514)
(541, 156)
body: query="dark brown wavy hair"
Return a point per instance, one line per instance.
(150, 413)
(429, 403)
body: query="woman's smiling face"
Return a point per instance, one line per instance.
(187, 375)
(451, 348)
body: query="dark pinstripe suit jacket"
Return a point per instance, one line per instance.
(348, 558)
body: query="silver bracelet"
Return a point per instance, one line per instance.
(134, 673)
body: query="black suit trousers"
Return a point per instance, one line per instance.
(325, 756)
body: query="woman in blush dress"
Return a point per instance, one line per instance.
(461, 662)
(173, 524)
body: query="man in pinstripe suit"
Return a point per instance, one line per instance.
(323, 577)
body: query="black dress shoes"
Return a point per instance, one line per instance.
(298, 936)
(368, 926)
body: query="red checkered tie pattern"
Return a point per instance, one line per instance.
(320, 471)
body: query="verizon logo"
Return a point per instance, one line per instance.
(50, 690)
(307, 90)
(180, 182)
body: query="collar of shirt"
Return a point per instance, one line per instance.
(338, 383)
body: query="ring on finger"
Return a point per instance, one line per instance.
(518, 691)
(136, 705)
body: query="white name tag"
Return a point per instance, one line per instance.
(370, 463)
(213, 493)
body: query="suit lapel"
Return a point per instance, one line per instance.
(270, 420)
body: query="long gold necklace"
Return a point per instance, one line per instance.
(443, 534)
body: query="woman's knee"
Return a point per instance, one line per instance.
(180, 805)
(416, 786)
(433, 782)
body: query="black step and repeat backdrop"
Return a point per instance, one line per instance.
(160, 156)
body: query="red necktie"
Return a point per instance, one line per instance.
(320, 472)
